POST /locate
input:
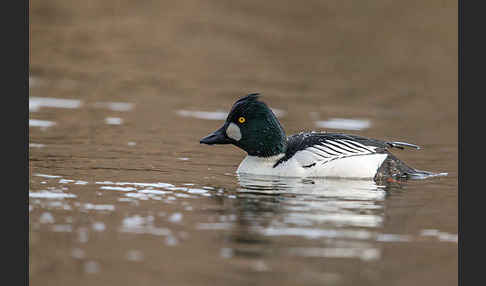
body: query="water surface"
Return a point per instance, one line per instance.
(122, 193)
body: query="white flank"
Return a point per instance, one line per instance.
(358, 166)
(364, 166)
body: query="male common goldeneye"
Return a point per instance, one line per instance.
(253, 127)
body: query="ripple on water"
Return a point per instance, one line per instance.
(336, 252)
(344, 124)
(113, 120)
(115, 106)
(217, 115)
(154, 185)
(330, 219)
(36, 103)
(143, 225)
(41, 123)
(122, 189)
(308, 205)
(50, 195)
(98, 207)
(156, 191)
(36, 145)
(134, 255)
(46, 176)
(442, 236)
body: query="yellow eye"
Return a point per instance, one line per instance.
(241, 120)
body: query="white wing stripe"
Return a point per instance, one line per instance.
(327, 150)
(318, 152)
(338, 149)
(353, 146)
(341, 146)
(360, 145)
(330, 150)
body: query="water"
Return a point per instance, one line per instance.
(344, 124)
(121, 192)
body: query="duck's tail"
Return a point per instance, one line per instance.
(393, 167)
(402, 145)
(418, 174)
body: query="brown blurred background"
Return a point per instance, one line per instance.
(388, 50)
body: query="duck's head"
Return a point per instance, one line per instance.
(253, 127)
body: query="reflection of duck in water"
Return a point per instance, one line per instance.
(342, 217)
(253, 127)
(342, 189)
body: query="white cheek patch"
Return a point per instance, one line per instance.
(233, 132)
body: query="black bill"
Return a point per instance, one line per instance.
(217, 137)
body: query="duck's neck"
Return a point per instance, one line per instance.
(270, 147)
(272, 141)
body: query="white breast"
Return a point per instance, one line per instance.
(360, 166)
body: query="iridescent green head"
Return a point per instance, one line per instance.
(253, 127)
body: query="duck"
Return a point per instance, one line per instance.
(252, 126)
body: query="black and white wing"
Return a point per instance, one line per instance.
(312, 148)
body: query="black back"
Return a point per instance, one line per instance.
(301, 141)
